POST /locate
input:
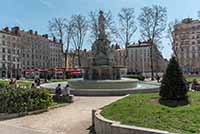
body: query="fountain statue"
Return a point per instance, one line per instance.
(101, 72)
(101, 66)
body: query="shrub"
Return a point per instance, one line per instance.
(23, 100)
(136, 76)
(173, 85)
(3, 85)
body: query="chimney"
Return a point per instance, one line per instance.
(45, 36)
(15, 30)
(54, 39)
(36, 33)
(31, 32)
(6, 29)
(60, 41)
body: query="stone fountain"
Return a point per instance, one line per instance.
(101, 66)
(100, 72)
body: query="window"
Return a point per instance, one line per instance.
(13, 66)
(13, 58)
(13, 51)
(3, 65)
(193, 42)
(27, 62)
(9, 50)
(198, 41)
(3, 50)
(3, 42)
(17, 51)
(9, 57)
(193, 37)
(4, 57)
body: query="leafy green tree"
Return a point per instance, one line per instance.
(173, 86)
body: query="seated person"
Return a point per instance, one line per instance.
(66, 90)
(195, 85)
(58, 90)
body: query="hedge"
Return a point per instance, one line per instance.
(24, 100)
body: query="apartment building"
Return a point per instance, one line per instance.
(23, 50)
(10, 54)
(139, 60)
(186, 36)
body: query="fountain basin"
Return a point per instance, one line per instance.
(102, 84)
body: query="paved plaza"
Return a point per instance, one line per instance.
(72, 119)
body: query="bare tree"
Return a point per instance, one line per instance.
(57, 28)
(69, 28)
(80, 27)
(152, 22)
(62, 30)
(127, 27)
(93, 25)
(170, 36)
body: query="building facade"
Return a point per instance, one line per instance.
(186, 37)
(10, 54)
(139, 60)
(23, 50)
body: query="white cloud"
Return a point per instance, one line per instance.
(47, 3)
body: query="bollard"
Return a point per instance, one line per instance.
(93, 117)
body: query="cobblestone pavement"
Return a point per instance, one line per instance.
(72, 119)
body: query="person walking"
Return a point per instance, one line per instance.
(157, 78)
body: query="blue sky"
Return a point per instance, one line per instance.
(34, 14)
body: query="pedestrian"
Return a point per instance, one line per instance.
(157, 78)
(66, 90)
(38, 82)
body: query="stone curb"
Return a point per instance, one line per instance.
(59, 105)
(106, 126)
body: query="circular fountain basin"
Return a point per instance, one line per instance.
(124, 83)
(138, 87)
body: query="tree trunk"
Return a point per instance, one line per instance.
(126, 55)
(151, 57)
(79, 58)
(65, 59)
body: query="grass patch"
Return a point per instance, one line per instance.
(57, 80)
(191, 78)
(144, 111)
(19, 82)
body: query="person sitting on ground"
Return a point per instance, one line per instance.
(66, 90)
(58, 90)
